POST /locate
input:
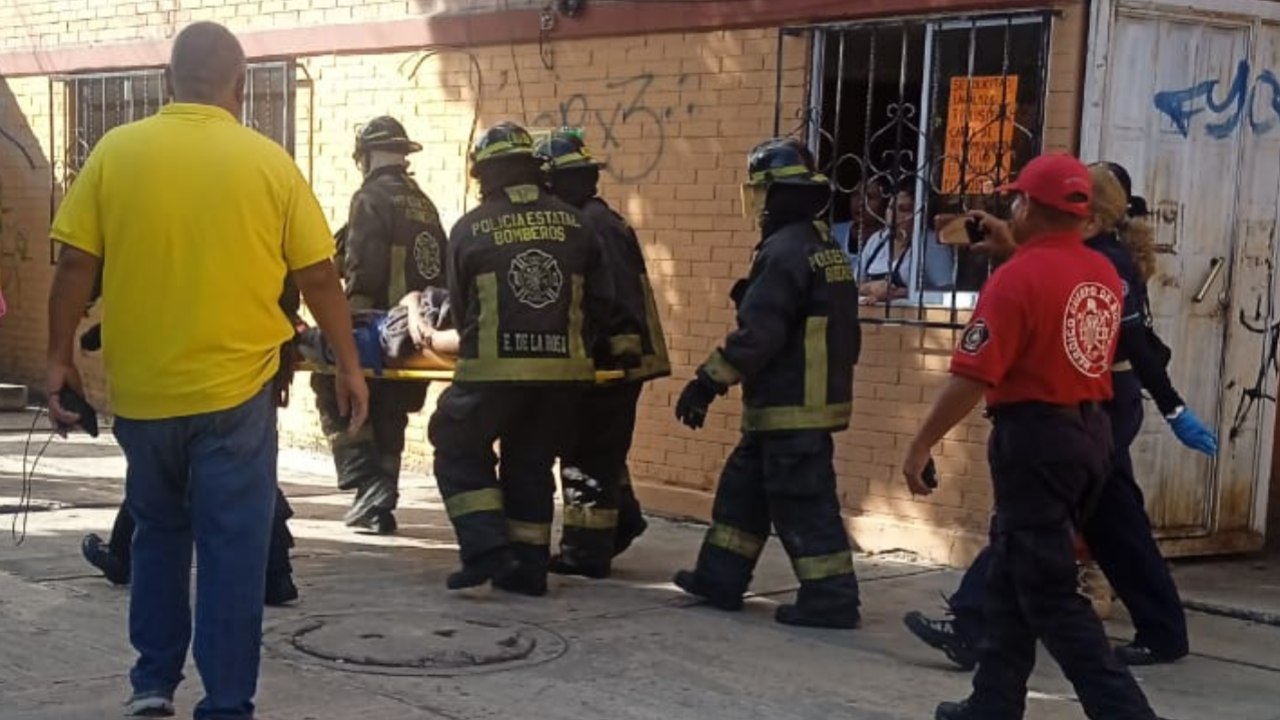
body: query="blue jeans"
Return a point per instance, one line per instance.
(209, 480)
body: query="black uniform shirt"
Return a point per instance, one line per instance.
(633, 294)
(528, 290)
(1139, 345)
(798, 336)
(393, 243)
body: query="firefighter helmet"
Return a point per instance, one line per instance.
(785, 161)
(504, 140)
(564, 149)
(384, 133)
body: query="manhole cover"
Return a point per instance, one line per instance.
(415, 643)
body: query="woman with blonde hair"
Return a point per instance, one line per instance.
(1118, 532)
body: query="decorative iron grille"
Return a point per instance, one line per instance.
(915, 120)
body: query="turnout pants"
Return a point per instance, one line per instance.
(598, 505)
(1046, 462)
(278, 565)
(369, 463)
(786, 479)
(514, 506)
(1119, 536)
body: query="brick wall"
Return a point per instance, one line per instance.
(70, 23)
(674, 115)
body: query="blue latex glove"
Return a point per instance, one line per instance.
(1193, 433)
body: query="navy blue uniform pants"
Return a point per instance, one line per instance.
(1046, 463)
(1118, 534)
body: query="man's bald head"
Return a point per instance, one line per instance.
(207, 66)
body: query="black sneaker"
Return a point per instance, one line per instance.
(560, 566)
(942, 635)
(99, 555)
(281, 591)
(1138, 655)
(795, 615)
(954, 711)
(688, 581)
(150, 705)
(490, 566)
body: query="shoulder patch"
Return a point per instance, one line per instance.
(426, 254)
(975, 337)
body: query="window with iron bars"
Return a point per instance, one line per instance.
(97, 103)
(915, 121)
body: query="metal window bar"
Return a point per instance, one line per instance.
(83, 108)
(904, 139)
(97, 103)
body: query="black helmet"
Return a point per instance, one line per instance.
(564, 149)
(504, 140)
(384, 133)
(1137, 203)
(785, 161)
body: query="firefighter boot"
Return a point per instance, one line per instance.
(829, 603)
(493, 565)
(530, 574)
(631, 522)
(690, 582)
(560, 565)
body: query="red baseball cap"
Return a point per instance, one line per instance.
(1057, 180)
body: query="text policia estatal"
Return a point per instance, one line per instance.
(530, 226)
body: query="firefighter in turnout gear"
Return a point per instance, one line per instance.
(530, 293)
(601, 514)
(794, 351)
(392, 244)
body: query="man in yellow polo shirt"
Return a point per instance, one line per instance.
(195, 220)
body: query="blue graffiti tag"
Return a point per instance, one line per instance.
(1180, 106)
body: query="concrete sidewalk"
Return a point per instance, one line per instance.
(376, 636)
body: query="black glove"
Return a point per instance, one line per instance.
(691, 408)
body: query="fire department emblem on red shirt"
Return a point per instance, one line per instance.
(1089, 325)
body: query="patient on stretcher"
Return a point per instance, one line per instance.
(416, 334)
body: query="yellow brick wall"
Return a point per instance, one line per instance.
(674, 115)
(70, 23)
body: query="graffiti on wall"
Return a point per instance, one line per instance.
(14, 251)
(1253, 397)
(1252, 102)
(607, 116)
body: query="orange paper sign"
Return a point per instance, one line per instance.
(980, 117)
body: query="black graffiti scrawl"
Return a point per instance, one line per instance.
(632, 111)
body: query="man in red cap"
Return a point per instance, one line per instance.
(1039, 347)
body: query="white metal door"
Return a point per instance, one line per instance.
(1169, 114)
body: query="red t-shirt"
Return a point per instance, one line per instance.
(1046, 325)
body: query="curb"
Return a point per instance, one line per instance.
(1256, 616)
